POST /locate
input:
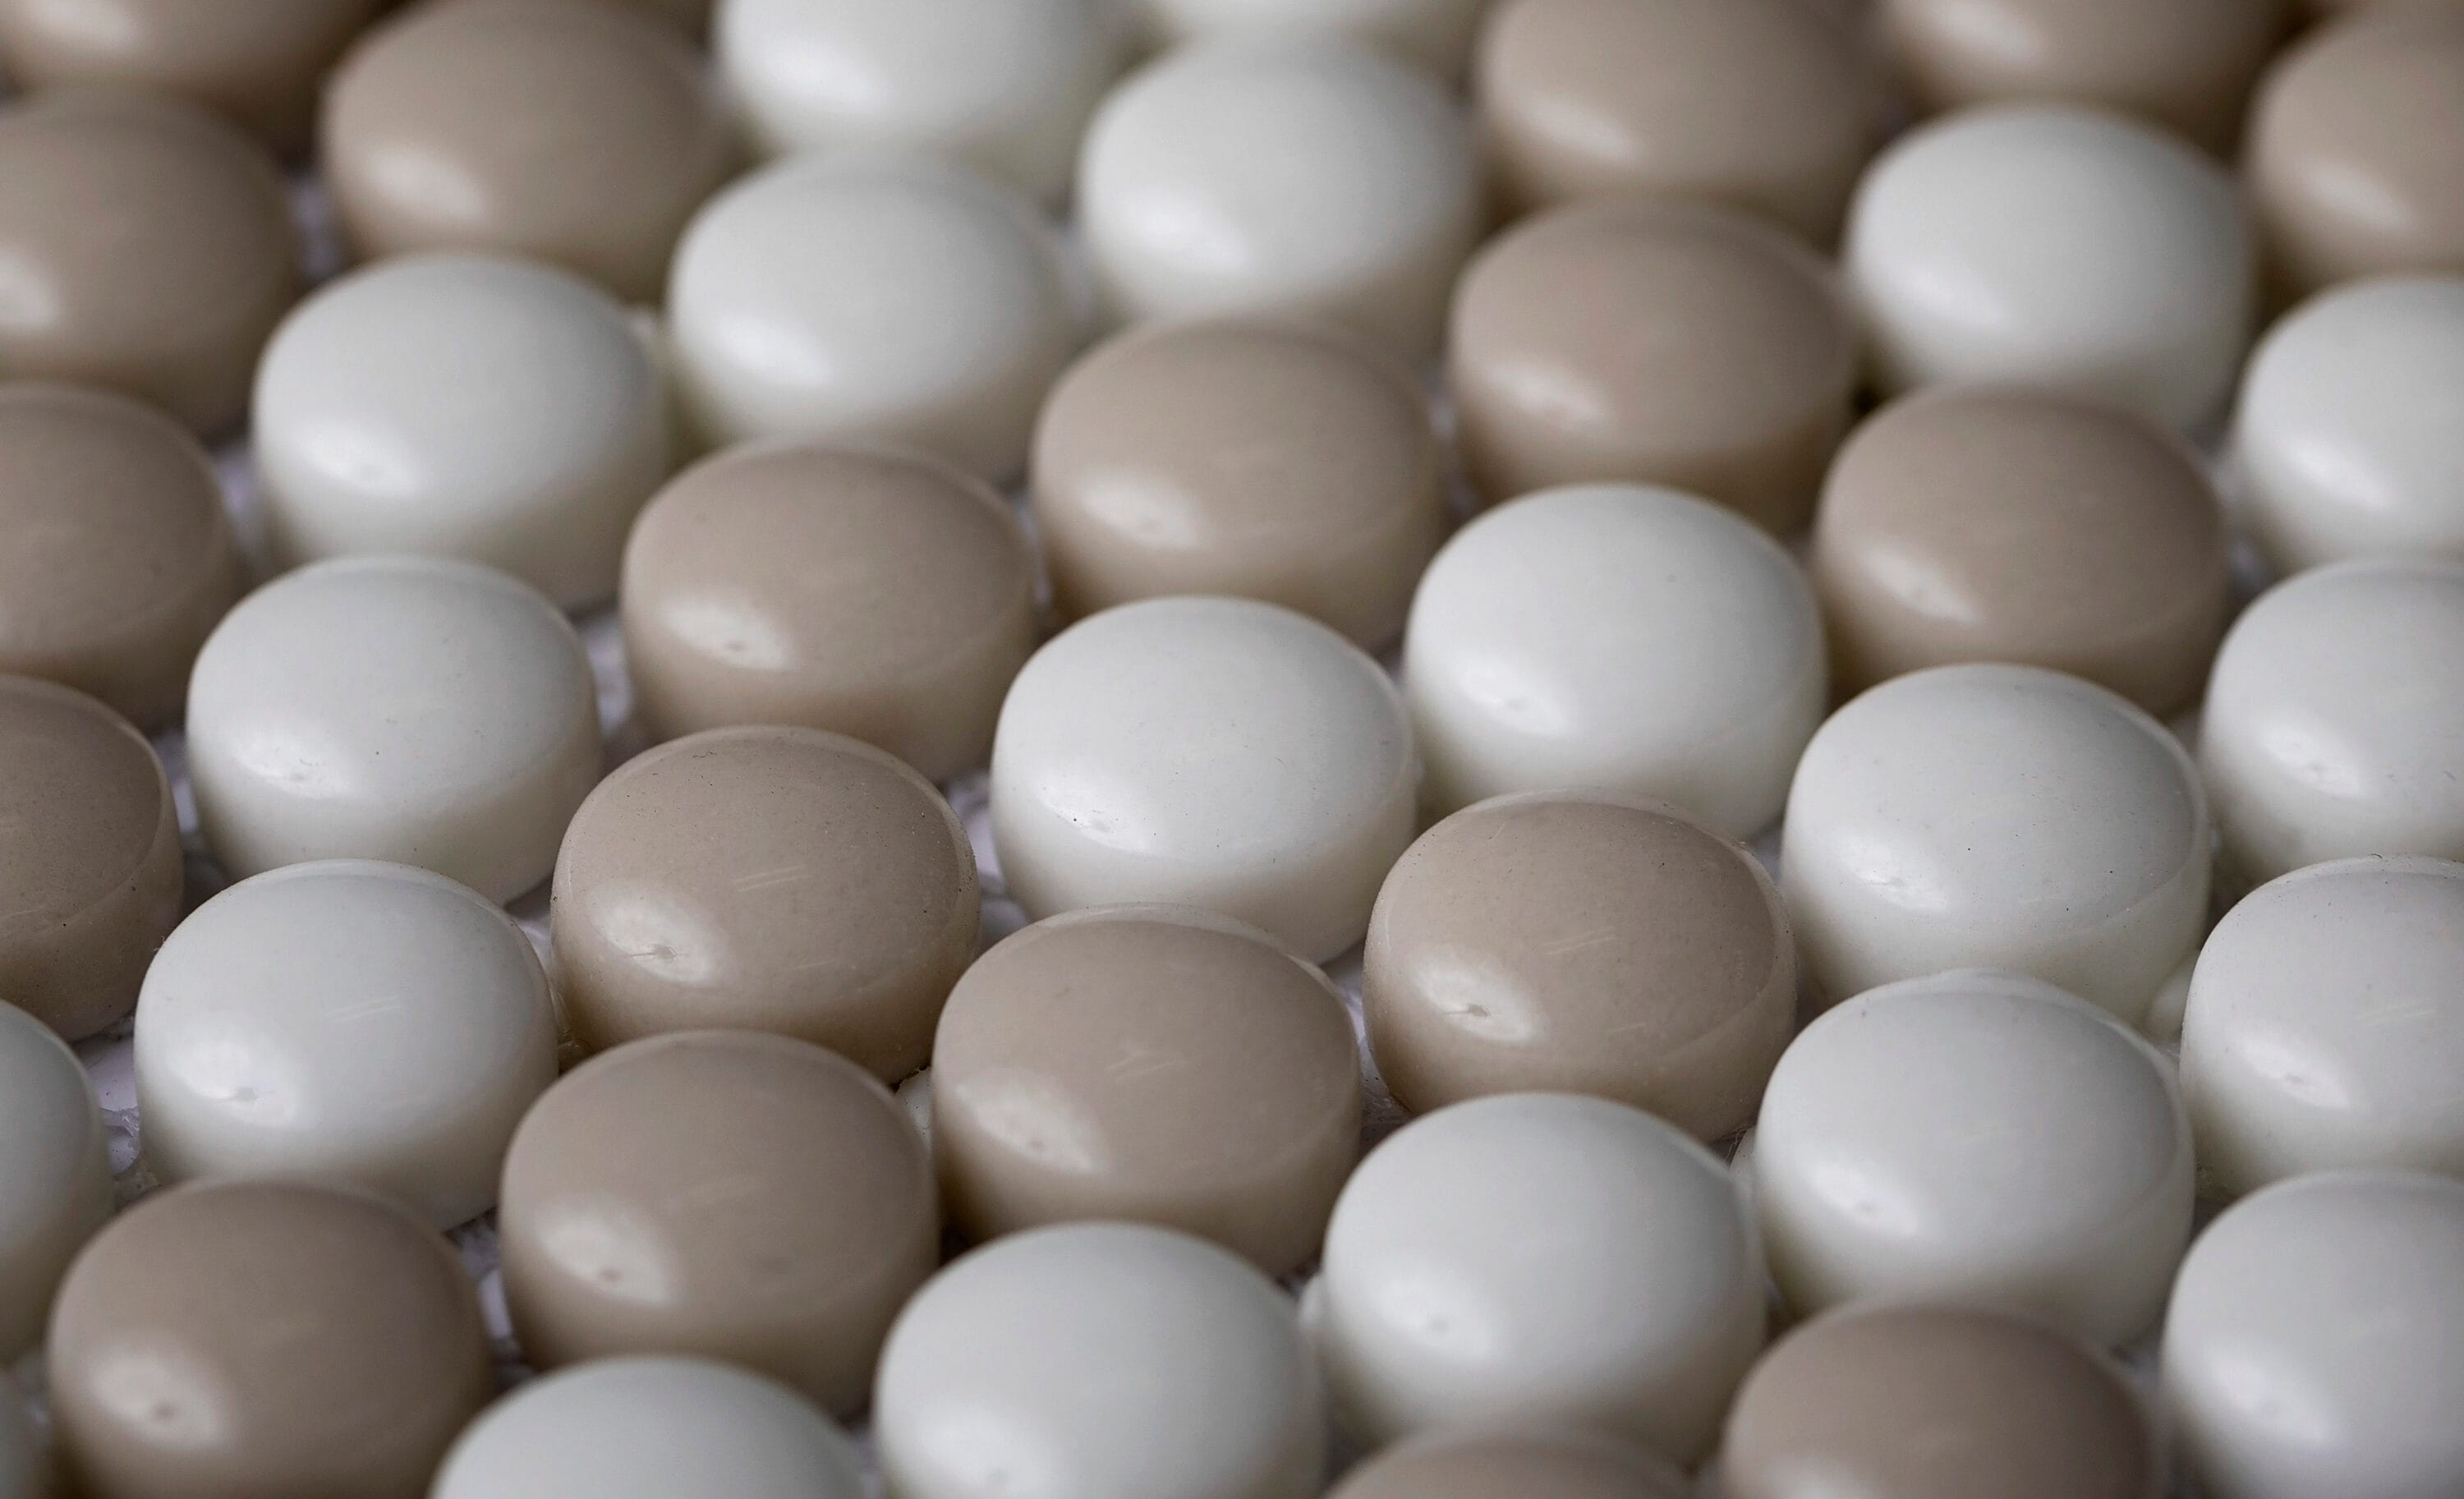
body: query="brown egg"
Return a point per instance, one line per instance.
(572, 131)
(1618, 339)
(149, 249)
(1757, 104)
(2188, 64)
(90, 877)
(1922, 1402)
(874, 593)
(1988, 523)
(2333, 8)
(1154, 1063)
(1260, 459)
(120, 558)
(724, 1194)
(689, 16)
(2355, 149)
(1569, 942)
(259, 63)
(765, 879)
(249, 1340)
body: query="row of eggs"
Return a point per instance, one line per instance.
(1234, 753)
(1235, 756)
(866, 293)
(1927, 1152)
(1971, 1140)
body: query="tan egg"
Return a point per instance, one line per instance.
(24, 1462)
(248, 1341)
(1580, 942)
(258, 62)
(1924, 1401)
(1655, 342)
(770, 879)
(150, 251)
(2188, 64)
(1152, 1063)
(572, 131)
(1756, 104)
(90, 877)
(120, 558)
(689, 16)
(724, 1194)
(874, 593)
(1264, 459)
(2355, 149)
(1991, 523)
